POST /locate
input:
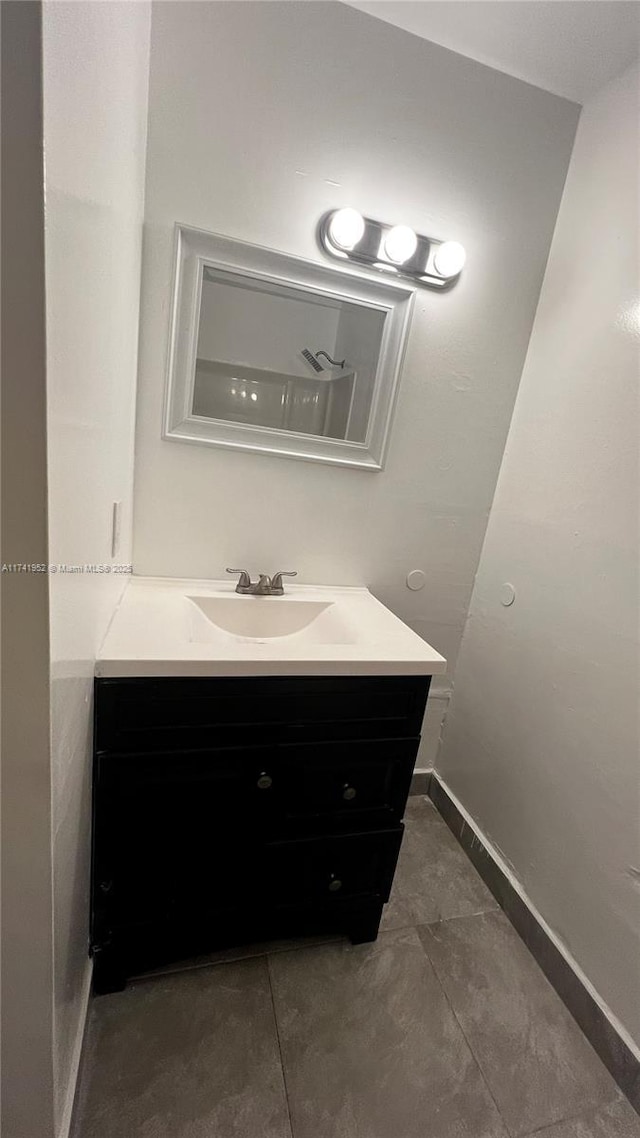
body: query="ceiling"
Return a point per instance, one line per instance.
(569, 47)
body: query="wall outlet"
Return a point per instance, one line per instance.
(116, 527)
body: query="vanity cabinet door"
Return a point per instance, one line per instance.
(161, 822)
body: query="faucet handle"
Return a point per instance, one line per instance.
(276, 580)
(245, 578)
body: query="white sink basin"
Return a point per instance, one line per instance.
(265, 618)
(166, 627)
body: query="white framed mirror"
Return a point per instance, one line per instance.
(269, 352)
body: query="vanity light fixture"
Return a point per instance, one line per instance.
(393, 249)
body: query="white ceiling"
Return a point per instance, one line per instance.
(570, 47)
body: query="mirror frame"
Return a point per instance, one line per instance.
(196, 248)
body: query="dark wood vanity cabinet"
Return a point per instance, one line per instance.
(232, 810)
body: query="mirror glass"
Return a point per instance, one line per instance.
(271, 355)
(269, 352)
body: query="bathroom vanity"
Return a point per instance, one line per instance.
(247, 788)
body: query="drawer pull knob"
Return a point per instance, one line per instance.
(349, 792)
(265, 781)
(335, 884)
(106, 886)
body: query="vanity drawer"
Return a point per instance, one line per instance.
(136, 715)
(344, 785)
(326, 872)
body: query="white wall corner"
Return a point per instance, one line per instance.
(66, 1113)
(432, 728)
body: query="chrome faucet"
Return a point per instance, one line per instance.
(264, 586)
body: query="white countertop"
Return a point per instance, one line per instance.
(161, 628)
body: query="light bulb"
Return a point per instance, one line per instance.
(400, 244)
(449, 258)
(346, 228)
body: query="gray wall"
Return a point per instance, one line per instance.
(264, 116)
(27, 973)
(541, 744)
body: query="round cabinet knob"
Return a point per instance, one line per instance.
(106, 886)
(335, 884)
(265, 781)
(349, 792)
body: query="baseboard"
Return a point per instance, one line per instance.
(605, 1033)
(64, 1128)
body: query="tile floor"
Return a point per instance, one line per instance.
(444, 1028)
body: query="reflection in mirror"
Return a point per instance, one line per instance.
(275, 354)
(272, 355)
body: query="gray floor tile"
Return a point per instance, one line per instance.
(193, 1055)
(537, 1062)
(420, 806)
(371, 1048)
(617, 1120)
(434, 879)
(239, 952)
